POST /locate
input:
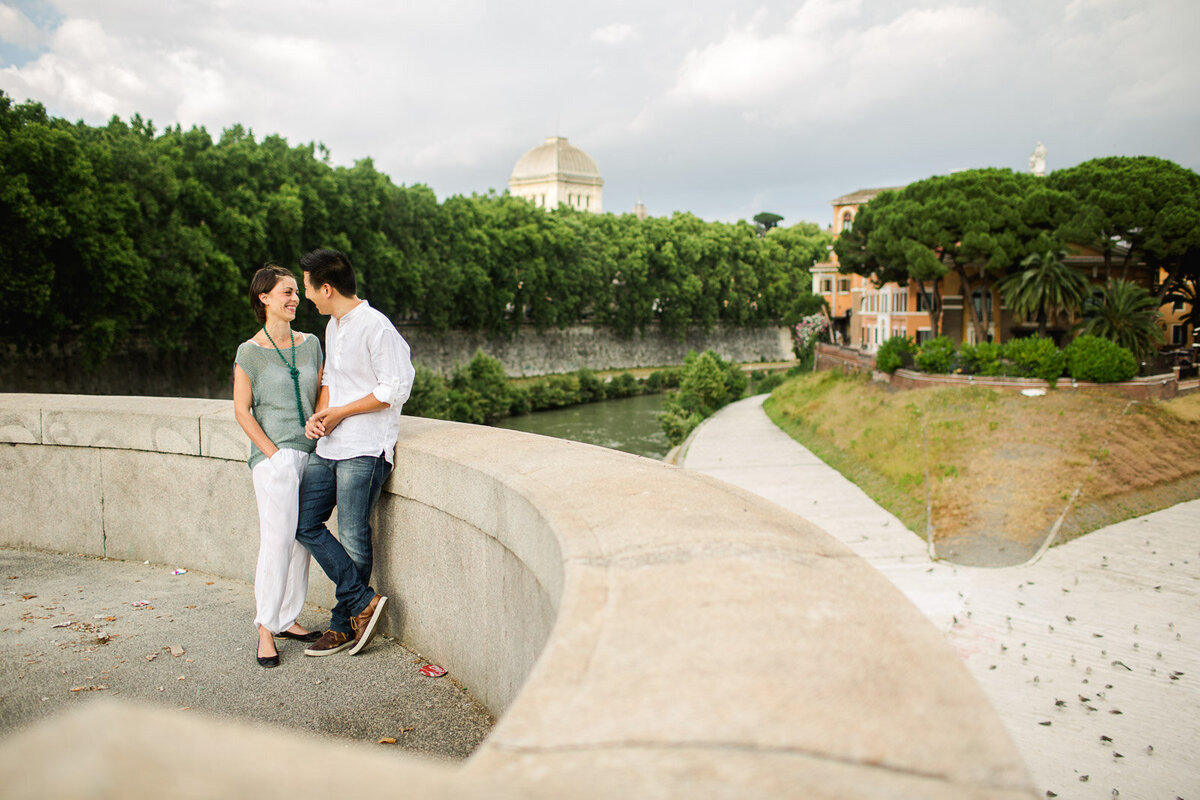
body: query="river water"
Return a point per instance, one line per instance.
(629, 424)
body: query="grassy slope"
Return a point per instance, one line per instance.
(996, 460)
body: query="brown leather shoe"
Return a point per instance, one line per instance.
(364, 623)
(330, 642)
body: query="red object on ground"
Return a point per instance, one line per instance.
(432, 671)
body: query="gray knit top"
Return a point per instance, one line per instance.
(274, 396)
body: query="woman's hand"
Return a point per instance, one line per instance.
(323, 422)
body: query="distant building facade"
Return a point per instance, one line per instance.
(558, 173)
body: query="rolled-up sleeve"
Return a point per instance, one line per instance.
(392, 361)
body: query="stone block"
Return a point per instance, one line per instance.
(52, 499)
(20, 418)
(164, 425)
(180, 510)
(222, 437)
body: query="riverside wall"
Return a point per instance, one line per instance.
(568, 349)
(638, 629)
(140, 370)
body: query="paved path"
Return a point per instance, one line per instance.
(75, 628)
(1089, 654)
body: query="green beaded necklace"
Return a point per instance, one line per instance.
(291, 368)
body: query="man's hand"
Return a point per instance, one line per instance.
(323, 422)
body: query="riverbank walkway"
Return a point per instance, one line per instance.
(1090, 653)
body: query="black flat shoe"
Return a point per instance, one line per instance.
(266, 661)
(311, 636)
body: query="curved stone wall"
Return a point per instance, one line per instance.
(638, 629)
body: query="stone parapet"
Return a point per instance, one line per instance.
(639, 630)
(850, 359)
(1153, 387)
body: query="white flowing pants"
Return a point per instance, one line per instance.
(281, 578)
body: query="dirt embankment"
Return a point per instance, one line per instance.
(989, 472)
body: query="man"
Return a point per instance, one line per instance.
(367, 377)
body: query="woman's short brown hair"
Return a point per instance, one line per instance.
(262, 283)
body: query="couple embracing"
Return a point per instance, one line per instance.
(322, 434)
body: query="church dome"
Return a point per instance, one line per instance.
(556, 159)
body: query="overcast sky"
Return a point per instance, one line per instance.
(723, 109)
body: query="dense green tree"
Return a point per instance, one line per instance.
(1045, 288)
(119, 233)
(765, 221)
(1138, 209)
(1127, 314)
(976, 223)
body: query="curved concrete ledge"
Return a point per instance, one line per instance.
(639, 630)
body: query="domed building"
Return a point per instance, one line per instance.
(557, 172)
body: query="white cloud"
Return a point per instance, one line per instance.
(617, 33)
(827, 59)
(714, 106)
(18, 29)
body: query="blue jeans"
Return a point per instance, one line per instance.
(353, 485)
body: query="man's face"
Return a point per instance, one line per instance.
(319, 296)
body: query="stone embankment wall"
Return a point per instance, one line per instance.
(139, 370)
(566, 350)
(640, 630)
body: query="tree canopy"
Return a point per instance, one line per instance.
(981, 224)
(119, 233)
(977, 223)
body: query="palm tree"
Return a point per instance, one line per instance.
(1046, 288)
(1128, 315)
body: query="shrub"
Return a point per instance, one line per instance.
(479, 391)
(981, 359)
(591, 388)
(708, 382)
(663, 379)
(623, 385)
(518, 401)
(935, 355)
(429, 397)
(554, 391)
(677, 425)
(1035, 357)
(895, 353)
(1091, 358)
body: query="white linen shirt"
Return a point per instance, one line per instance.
(365, 354)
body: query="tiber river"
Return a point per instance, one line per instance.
(629, 424)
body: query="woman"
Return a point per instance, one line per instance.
(276, 376)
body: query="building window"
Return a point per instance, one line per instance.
(900, 301)
(1178, 334)
(843, 284)
(976, 297)
(924, 335)
(826, 285)
(923, 301)
(847, 219)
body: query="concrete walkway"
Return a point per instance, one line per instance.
(1089, 653)
(74, 629)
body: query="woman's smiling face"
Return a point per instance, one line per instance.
(282, 300)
